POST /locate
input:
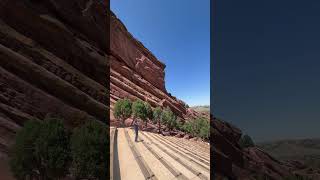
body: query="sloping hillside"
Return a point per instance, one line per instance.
(305, 152)
(262, 161)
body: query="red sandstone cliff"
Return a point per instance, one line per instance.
(136, 73)
(52, 60)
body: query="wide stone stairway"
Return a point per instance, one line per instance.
(155, 156)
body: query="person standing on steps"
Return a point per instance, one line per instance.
(136, 129)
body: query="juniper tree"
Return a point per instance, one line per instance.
(89, 145)
(246, 141)
(41, 150)
(23, 159)
(52, 148)
(169, 118)
(122, 110)
(139, 110)
(149, 112)
(157, 115)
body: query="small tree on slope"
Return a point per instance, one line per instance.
(169, 118)
(23, 160)
(246, 141)
(139, 110)
(157, 115)
(41, 150)
(53, 148)
(89, 145)
(204, 131)
(149, 112)
(122, 110)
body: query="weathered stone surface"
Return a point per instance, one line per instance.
(53, 60)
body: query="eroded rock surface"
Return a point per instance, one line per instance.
(52, 60)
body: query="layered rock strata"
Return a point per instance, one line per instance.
(52, 61)
(136, 73)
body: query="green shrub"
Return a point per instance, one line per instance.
(199, 127)
(180, 124)
(122, 110)
(187, 127)
(139, 110)
(157, 117)
(23, 159)
(52, 148)
(89, 149)
(148, 111)
(169, 119)
(205, 129)
(246, 141)
(41, 149)
(297, 177)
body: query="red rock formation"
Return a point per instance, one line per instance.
(136, 73)
(52, 60)
(232, 161)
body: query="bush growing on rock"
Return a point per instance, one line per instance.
(148, 111)
(52, 148)
(180, 124)
(41, 150)
(169, 118)
(199, 127)
(122, 110)
(246, 141)
(157, 116)
(23, 159)
(89, 145)
(204, 130)
(297, 177)
(187, 127)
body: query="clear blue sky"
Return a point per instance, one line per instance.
(267, 67)
(177, 32)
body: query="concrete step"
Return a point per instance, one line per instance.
(203, 146)
(195, 150)
(184, 150)
(188, 147)
(154, 157)
(141, 160)
(129, 167)
(161, 168)
(193, 146)
(196, 168)
(175, 161)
